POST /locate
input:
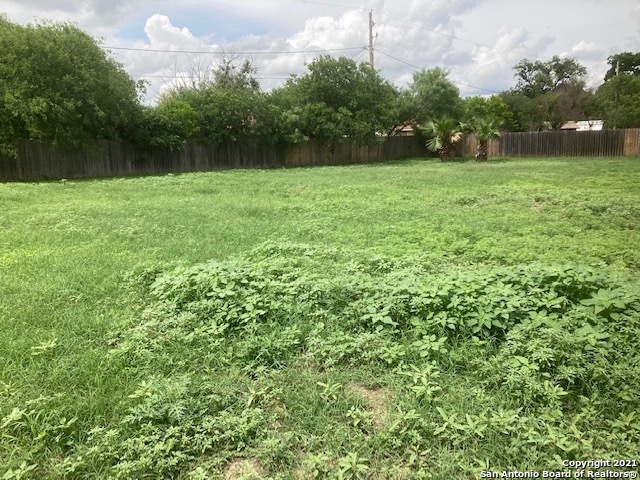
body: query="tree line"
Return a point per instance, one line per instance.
(58, 83)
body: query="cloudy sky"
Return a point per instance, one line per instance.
(478, 41)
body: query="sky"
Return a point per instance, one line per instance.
(477, 41)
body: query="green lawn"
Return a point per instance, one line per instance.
(407, 320)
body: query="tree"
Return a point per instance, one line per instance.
(227, 71)
(617, 100)
(57, 83)
(228, 115)
(431, 95)
(443, 134)
(228, 74)
(528, 114)
(486, 118)
(548, 94)
(493, 109)
(228, 104)
(484, 130)
(338, 98)
(625, 63)
(167, 126)
(537, 78)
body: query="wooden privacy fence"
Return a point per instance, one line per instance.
(38, 160)
(605, 143)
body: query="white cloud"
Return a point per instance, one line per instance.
(98, 17)
(510, 38)
(163, 35)
(587, 51)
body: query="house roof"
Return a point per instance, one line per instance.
(583, 125)
(570, 125)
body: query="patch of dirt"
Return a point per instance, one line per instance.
(538, 205)
(378, 401)
(243, 469)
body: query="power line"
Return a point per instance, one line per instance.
(359, 54)
(176, 77)
(204, 52)
(419, 68)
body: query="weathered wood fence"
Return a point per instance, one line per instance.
(38, 160)
(43, 160)
(605, 143)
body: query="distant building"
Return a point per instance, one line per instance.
(583, 125)
(590, 125)
(407, 130)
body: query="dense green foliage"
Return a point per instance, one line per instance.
(552, 348)
(416, 319)
(431, 95)
(226, 106)
(338, 98)
(443, 133)
(618, 99)
(492, 109)
(167, 125)
(534, 79)
(625, 63)
(548, 94)
(57, 83)
(226, 115)
(484, 130)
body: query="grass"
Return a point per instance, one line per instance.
(315, 383)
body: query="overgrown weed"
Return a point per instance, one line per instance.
(522, 364)
(495, 307)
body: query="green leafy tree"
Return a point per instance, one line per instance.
(617, 100)
(338, 98)
(228, 74)
(547, 94)
(56, 82)
(285, 101)
(442, 136)
(229, 115)
(493, 109)
(537, 78)
(168, 125)
(528, 113)
(430, 95)
(228, 105)
(625, 63)
(484, 130)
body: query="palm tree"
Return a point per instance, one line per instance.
(484, 130)
(443, 134)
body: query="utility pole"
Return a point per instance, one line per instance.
(371, 24)
(615, 116)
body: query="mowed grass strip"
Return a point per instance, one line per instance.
(67, 247)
